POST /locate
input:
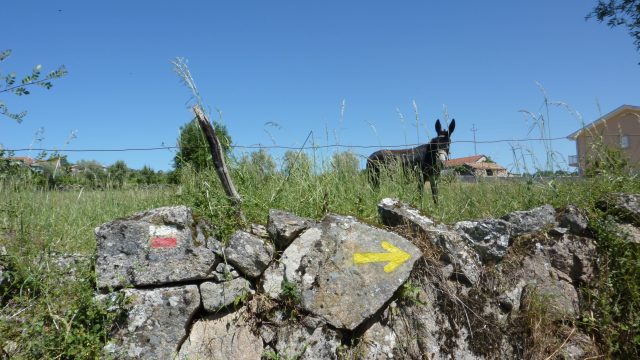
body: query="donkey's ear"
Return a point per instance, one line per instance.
(452, 126)
(438, 127)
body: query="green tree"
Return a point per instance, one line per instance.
(118, 172)
(257, 164)
(147, 176)
(296, 163)
(9, 84)
(263, 163)
(194, 149)
(60, 163)
(620, 13)
(9, 167)
(345, 162)
(92, 172)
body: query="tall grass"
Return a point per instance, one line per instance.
(47, 310)
(63, 221)
(47, 313)
(348, 191)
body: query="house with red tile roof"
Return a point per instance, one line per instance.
(22, 159)
(477, 165)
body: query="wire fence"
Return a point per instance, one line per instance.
(309, 147)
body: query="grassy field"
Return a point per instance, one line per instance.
(45, 314)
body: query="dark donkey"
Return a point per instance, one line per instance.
(428, 158)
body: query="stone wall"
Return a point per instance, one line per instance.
(309, 289)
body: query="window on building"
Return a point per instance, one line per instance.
(624, 141)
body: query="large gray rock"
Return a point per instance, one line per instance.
(629, 232)
(534, 277)
(152, 248)
(394, 213)
(489, 237)
(625, 206)
(339, 278)
(417, 331)
(458, 252)
(379, 343)
(531, 220)
(226, 337)
(308, 339)
(559, 299)
(284, 227)
(271, 281)
(216, 296)
(248, 253)
(575, 256)
(573, 219)
(467, 266)
(156, 322)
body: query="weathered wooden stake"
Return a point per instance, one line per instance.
(218, 161)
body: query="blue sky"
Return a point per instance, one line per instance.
(345, 70)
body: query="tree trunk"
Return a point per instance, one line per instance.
(218, 161)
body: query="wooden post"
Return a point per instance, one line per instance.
(218, 161)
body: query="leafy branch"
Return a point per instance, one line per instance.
(8, 84)
(620, 13)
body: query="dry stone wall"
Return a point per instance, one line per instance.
(310, 289)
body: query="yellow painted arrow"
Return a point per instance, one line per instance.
(394, 255)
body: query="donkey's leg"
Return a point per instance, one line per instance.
(376, 176)
(373, 172)
(421, 180)
(434, 189)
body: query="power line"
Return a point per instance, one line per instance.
(286, 147)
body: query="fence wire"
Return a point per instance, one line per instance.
(309, 147)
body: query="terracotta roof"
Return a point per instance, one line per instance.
(604, 118)
(463, 160)
(24, 159)
(486, 166)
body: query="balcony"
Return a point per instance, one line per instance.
(573, 160)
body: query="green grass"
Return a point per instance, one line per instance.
(40, 318)
(348, 192)
(64, 221)
(44, 312)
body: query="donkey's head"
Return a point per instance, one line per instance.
(443, 140)
(445, 133)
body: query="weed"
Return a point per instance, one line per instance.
(290, 295)
(410, 292)
(540, 334)
(273, 355)
(240, 299)
(64, 319)
(613, 312)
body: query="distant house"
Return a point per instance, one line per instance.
(476, 165)
(23, 160)
(618, 129)
(35, 165)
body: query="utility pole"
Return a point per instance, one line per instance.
(475, 149)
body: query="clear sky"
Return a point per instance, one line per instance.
(350, 71)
